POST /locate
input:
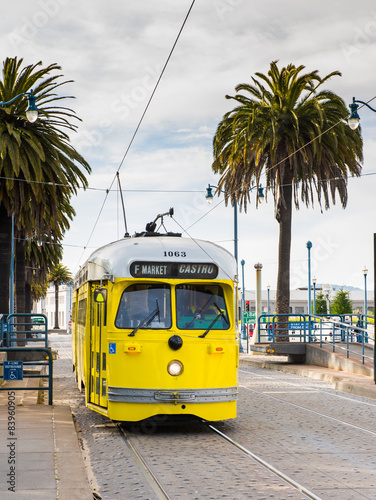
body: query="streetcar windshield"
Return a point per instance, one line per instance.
(197, 306)
(139, 301)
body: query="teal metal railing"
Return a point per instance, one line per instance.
(22, 329)
(27, 364)
(340, 331)
(17, 333)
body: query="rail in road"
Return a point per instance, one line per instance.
(322, 441)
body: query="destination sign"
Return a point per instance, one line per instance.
(174, 270)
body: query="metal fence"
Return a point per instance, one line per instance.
(27, 364)
(23, 329)
(315, 328)
(18, 332)
(342, 332)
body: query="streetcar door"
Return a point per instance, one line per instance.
(98, 348)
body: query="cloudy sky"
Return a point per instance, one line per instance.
(115, 51)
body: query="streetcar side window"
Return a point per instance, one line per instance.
(198, 307)
(149, 303)
(82, 304)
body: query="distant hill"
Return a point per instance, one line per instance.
(334, 288)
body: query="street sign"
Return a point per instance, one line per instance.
(297, 325)
(13, 370)
(249, 317)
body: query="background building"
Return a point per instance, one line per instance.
(298, 302)
(299, 299)
(47, 306)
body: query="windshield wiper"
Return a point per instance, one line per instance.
(221, 314)
(197, 315)
(147, 320)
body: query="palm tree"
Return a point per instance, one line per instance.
(58, 276)
(41, 256)
(288, 129)
(39, 251)
(40, 168)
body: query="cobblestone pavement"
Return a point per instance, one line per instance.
(112, 471)
(321, 439)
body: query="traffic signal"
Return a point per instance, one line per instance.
(247, 308)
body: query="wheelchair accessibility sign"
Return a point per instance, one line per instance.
(112, 348)
(13, 370)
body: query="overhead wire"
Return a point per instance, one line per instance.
(140, 122)
(312, 140)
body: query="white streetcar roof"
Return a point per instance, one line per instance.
(158, 257)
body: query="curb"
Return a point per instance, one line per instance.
(359, 385)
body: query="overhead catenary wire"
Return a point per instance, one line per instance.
(140, 121)
(116, 190)
(313, 140)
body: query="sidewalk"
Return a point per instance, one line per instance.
(40, 457)
(352, 383)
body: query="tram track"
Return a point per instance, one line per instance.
(266, 465)
(161, 493)
(310, 389)
(310, 410)
(196, 462)
(315, 412)
(148, 474)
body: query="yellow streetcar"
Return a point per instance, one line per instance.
(154, 329)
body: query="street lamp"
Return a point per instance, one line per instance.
(365, 272)
(209, 198)
(309, 246)
(354, 118)
(314, 280)
(268, 289)
(32, 110)
(32, 116)
(243, 303)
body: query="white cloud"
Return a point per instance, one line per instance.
(114, 51)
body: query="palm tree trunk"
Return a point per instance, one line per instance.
(28, 299)
(284, 251)
(20, 278)
(5, 256)
(56, 327)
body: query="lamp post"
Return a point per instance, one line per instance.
(243, 304)
(314, 280)
(32, 110)
(268, 289)
(209, 198)
(256, 332)
(365, 272)
(32, 116)
(309, 246)
(354, 118)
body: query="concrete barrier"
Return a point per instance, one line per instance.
(3, 357)
(337, 361)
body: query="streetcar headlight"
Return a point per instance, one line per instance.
(175, 368)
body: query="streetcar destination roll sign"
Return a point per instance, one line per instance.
(174, 270)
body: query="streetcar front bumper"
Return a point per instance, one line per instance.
(126, 395)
